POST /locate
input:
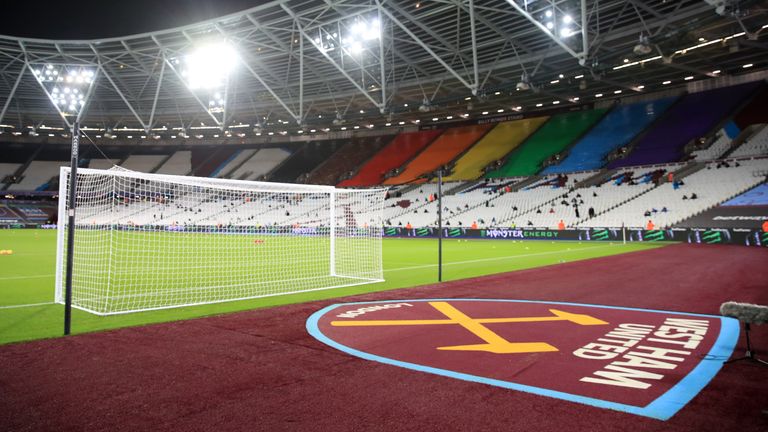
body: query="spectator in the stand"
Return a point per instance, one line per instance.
(551, 210)
(765, 226)
(474, 225)
(561, 225)
(530, 223)
(675, 185)
(594, 194)
(647, 213)
(576, 210)
(538, 211)
(685, 197)
(650, 226)
(670, 177)
(693, 196)
(663, 209)
(591, 212)
(514, 208)
(408, 226)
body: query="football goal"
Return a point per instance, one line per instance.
(151, 241)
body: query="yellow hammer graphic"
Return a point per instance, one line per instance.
(493, 342)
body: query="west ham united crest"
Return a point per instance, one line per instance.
(645, 362)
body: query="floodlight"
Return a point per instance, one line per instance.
(209, 65)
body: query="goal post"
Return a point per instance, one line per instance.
(152, 241)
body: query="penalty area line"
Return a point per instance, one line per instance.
(26, 277)
(26, 305)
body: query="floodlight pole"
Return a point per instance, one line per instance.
(440, 225)
(71, 226)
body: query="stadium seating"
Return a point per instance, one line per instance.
(309, 156)
(712, 185)
(230, 168)
(101, 163)
(143, 163)
(553, 137)
(715, 150)
(496, 144)
(206, 161)
(756, 145)
(403, 148)
(180, 163)
(616, 129)
(691, 118)
(252, 164)
(349, 157)
(37, 175)
(443, 150)
(7, 169)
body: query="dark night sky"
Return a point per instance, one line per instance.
(92, 19)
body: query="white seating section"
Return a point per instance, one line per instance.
(715, 150)
(37, 174)
(711, 186)
(260, 163)
(101, 163)
(143, 163)
(7, 169)
(757, 145)
(178, 164)
(234, 162)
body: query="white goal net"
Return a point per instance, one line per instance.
(151, 241)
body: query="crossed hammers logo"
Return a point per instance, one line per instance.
(493, 342)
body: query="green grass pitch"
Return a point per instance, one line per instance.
(27, 278)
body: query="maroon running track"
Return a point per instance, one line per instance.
(261, 371)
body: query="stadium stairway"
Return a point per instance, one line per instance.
(404, 147)
(693, 117)
(616, 129)
(497, 143)
(447, 147)
(553, 137)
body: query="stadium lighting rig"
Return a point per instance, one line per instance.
(352, 39)
(68, 87)
(206, 71)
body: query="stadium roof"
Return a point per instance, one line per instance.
(332, 64)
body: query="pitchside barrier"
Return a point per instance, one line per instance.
(740, 236)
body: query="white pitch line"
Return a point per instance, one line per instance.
(24, 305)
(495, 258)
(27, 277)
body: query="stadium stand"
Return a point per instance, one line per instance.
(304, 160)
(38, 175)
(497, 143)
(716, 149)
(616, 129)
(8, 169)
(180, 163)
(452, 143)
(667, 205)
(101, 163)
(403, 148)
(349, 157)
(206, 161)
(231, 168)
(691, 118)
(255, 164)
(553, 137)
(756, 145)
(143, 163)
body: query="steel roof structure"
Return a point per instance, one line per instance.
(431, 59)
